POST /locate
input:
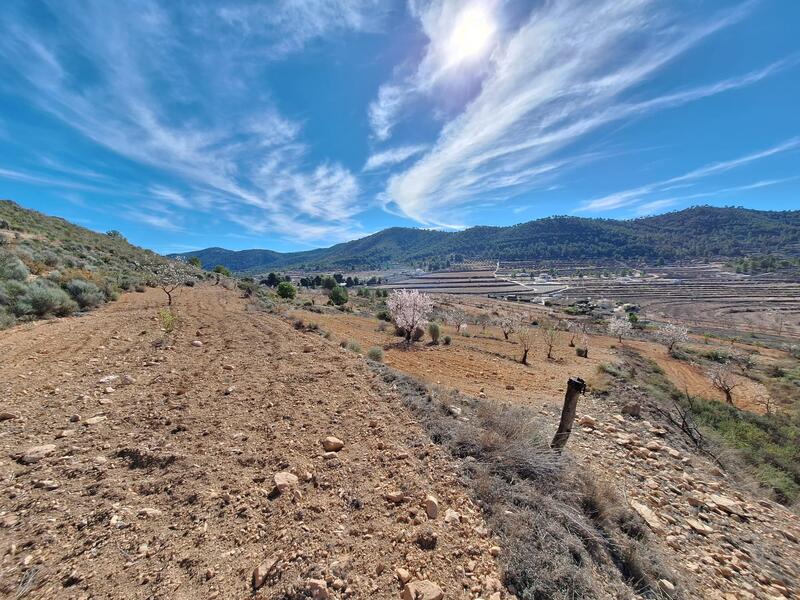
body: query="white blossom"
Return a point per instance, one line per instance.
(410, 309)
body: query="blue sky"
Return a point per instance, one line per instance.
(303, 123)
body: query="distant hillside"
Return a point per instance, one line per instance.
(50, 267)
(699, 232)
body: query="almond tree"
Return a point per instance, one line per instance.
(671, 334)
(409, 309)
(722, 378)
(548, 333)
(508, 325)
(525, 337)
(169, 278)
(620, 327)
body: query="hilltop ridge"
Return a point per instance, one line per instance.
(700, 232)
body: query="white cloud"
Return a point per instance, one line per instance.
(393, 156)
(194, 112)
(638, 194)
(563, 74)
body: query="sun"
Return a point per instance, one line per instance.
(472, 35)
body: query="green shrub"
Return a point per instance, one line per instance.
(375, 353)
(286, 290)
(167, 318)
(418, 334)
(43, 300)
(353, 346)
(338, 295)
(85, 293)
(222, 270)
(6, 319)
(447, 340)
(12, 267)
(11, 291)
(384, 315)
(434, 331)
(139, 288)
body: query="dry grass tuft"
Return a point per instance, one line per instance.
(566, 534)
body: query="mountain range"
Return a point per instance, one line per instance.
(701, 232)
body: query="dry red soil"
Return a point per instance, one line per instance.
(159, 481)
(486, 362)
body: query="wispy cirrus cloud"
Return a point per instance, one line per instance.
(568, 70)
(393, 156)
(641, 193)
(146, 68)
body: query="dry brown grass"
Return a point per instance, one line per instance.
(565, 533)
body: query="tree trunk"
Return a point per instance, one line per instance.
(575, 387)
(505, 335)
(525, 357)
(728, 397)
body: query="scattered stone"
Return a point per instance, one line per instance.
(197, 343)
(395, 497)
(7, 416)
(666, 586)
(318, 589)
(587, 421)
(227, 367)
(431, 507)
(308, 348)
(422, 590)
(95, 420)
(108, 379)
(149, 513)
(47, 484)
(451, 516)
(653, 522)
(495, 550)
(699, 527)
(230, 390)
(262, 572)
(332, 444)
(36, 453)
(285, 480)
(403, 576)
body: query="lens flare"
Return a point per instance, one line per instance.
(471, 36)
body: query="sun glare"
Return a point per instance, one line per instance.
(472, 35)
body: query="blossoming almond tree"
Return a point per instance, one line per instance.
(671, 335)
(620, 327)
(409, 309)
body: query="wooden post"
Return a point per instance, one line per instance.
(575, 387)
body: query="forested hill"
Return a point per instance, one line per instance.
(699, 232)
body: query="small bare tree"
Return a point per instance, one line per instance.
(525, 337)
(508, 325)
(723, 379)
(482, 321)
(410, 310)
(671, 335)
(458, 318)
(548, 334)
(620, 327)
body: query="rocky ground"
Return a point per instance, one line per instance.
(200, 464)
(734, 545)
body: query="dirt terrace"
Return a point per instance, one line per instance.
(485, 362)
(159, 481)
